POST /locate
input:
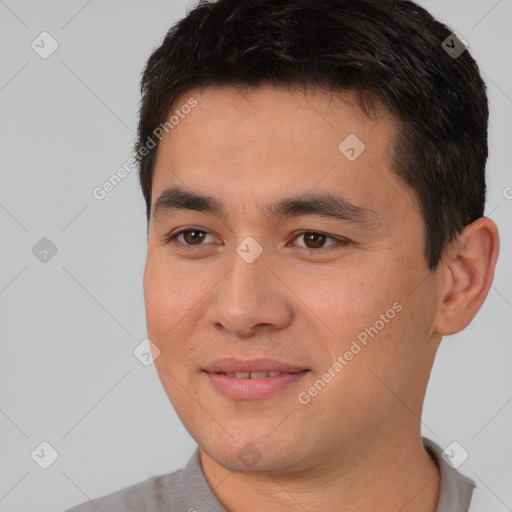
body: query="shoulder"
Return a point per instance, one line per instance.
(155, 493)
(482, 502)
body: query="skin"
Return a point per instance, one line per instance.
(356, 445)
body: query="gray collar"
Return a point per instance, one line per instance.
(455, 493)
(196, 490)
(456, 489)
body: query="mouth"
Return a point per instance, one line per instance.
(252, 375)
(252, 379)
(232, 366)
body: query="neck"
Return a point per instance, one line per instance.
(395, 473)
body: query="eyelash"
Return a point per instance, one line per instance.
(339, 241)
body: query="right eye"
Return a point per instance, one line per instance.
(190, 237)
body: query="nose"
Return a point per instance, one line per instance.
(250, 298)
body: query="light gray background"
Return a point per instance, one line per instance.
(70, 325)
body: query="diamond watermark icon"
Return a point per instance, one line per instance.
(249, 249)
(44, 250)
(455, 454)
(44, 45)
(249, 455)
(146, 352)
(352, 147)
(454, 45)
(44, 455)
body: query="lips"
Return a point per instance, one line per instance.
(252, 379)
(250, 375)
(251, 368)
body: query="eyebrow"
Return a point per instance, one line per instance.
(323, 205)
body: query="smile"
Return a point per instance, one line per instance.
(253, 385)
(250, 375)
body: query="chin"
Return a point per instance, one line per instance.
(254, 452)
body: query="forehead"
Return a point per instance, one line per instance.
(286, 113)
(259, 142)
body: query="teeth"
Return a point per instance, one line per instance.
(252, 375)
(258, 375)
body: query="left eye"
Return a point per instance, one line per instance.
(317, 240)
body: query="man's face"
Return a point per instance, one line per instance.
(320, 284)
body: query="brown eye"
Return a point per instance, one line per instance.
(193, 236)
(188, 237)
(314, 240)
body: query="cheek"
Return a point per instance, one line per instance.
(345, 302)
(368, 319)
(172, 298)
(172, 302)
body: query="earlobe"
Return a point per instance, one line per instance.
(468, 273)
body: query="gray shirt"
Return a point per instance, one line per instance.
(187, 490)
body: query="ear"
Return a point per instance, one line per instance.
(467, 273)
